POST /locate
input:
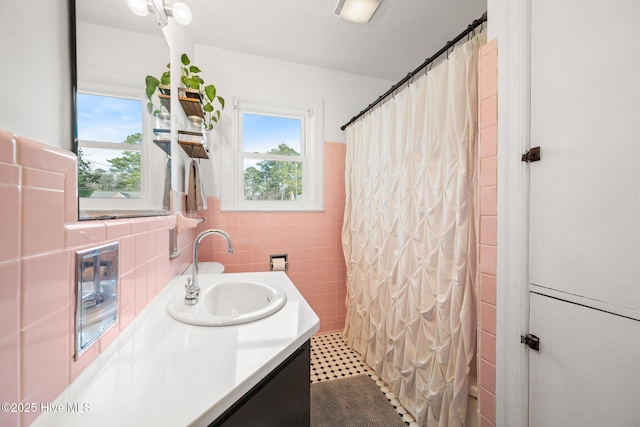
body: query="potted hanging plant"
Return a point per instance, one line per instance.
(194, 87)
(162, 84)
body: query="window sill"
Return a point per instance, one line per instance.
(92, 215)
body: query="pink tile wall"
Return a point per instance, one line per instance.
(39, 236)
(311, 239)
(488, 180)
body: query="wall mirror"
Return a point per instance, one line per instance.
(122, 172)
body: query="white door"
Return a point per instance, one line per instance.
(584, 259)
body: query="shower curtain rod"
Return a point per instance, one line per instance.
(409, 76)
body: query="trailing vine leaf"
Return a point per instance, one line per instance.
(166, 78)
(221, 100)
(185, 59)
(194, 69)
(151, 85)
(210, 91)
(194, 83)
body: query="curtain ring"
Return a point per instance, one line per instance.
(428, 68)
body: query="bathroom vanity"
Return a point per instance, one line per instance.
(280, 399)
(161, 372)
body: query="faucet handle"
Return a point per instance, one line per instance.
(191, 293)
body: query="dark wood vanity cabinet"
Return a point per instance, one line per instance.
(281, 399)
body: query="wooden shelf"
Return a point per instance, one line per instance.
(189, 133)
(191, 106)
(195, 150)
(165, 143)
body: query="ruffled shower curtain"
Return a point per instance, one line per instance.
(409, 239)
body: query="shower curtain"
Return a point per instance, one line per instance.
(409, 239)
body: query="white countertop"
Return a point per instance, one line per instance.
(161, 372)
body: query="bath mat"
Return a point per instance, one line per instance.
(355, 401)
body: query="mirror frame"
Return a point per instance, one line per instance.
(73, 54)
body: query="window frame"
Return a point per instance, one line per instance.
(311, 157)
(89, 204)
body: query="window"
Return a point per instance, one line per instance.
(109, 145)
(277, 159)
(112, 153)
(273, 157)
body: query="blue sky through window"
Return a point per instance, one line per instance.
(261, 133)
(108, 119)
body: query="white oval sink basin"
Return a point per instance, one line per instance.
(229, 303)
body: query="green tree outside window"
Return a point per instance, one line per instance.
(124, 174)
(274, 179)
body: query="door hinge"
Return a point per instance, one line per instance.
(533, 155)
(530, 341)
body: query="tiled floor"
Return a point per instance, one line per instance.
(331, 358)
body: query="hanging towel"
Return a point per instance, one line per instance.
(196, 200)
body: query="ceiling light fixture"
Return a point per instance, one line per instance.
(178, 11)
(358, 11)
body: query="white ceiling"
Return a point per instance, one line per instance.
(401, 35)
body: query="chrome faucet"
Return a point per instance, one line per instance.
(192, 290)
